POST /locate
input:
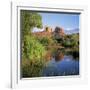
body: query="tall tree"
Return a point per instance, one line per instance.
(29, 20)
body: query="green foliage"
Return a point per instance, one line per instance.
(69, 43)
(71, 40)
(29, 20)
(34, 50)
(46, 41)
(32, 68)
(33, 59)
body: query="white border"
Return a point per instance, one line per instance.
(15, 35)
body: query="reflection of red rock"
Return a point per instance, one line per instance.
(59, 56)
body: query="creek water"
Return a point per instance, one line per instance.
(64, 66)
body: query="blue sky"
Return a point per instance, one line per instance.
(65, 20)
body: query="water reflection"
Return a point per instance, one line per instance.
(59, 55)
(61, 64)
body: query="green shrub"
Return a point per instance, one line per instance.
(32, 57)
(33, 49)
(32, 68)
(46, 41)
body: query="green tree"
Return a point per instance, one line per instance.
(29, 20)
(35, 50)
(32, 50)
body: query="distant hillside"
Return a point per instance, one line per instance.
(72, 31)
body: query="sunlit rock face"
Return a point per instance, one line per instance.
(47, 32)
(59, 32)
(48, 29)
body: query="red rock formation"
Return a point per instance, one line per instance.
(47, 32)
(58, 32)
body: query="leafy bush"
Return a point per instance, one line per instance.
(70, 43)
(33, 57)
(33, 49)
(46, 41)
(32, 68)
(71, 40)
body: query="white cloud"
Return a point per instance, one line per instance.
(69, 29)
(37, 30)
